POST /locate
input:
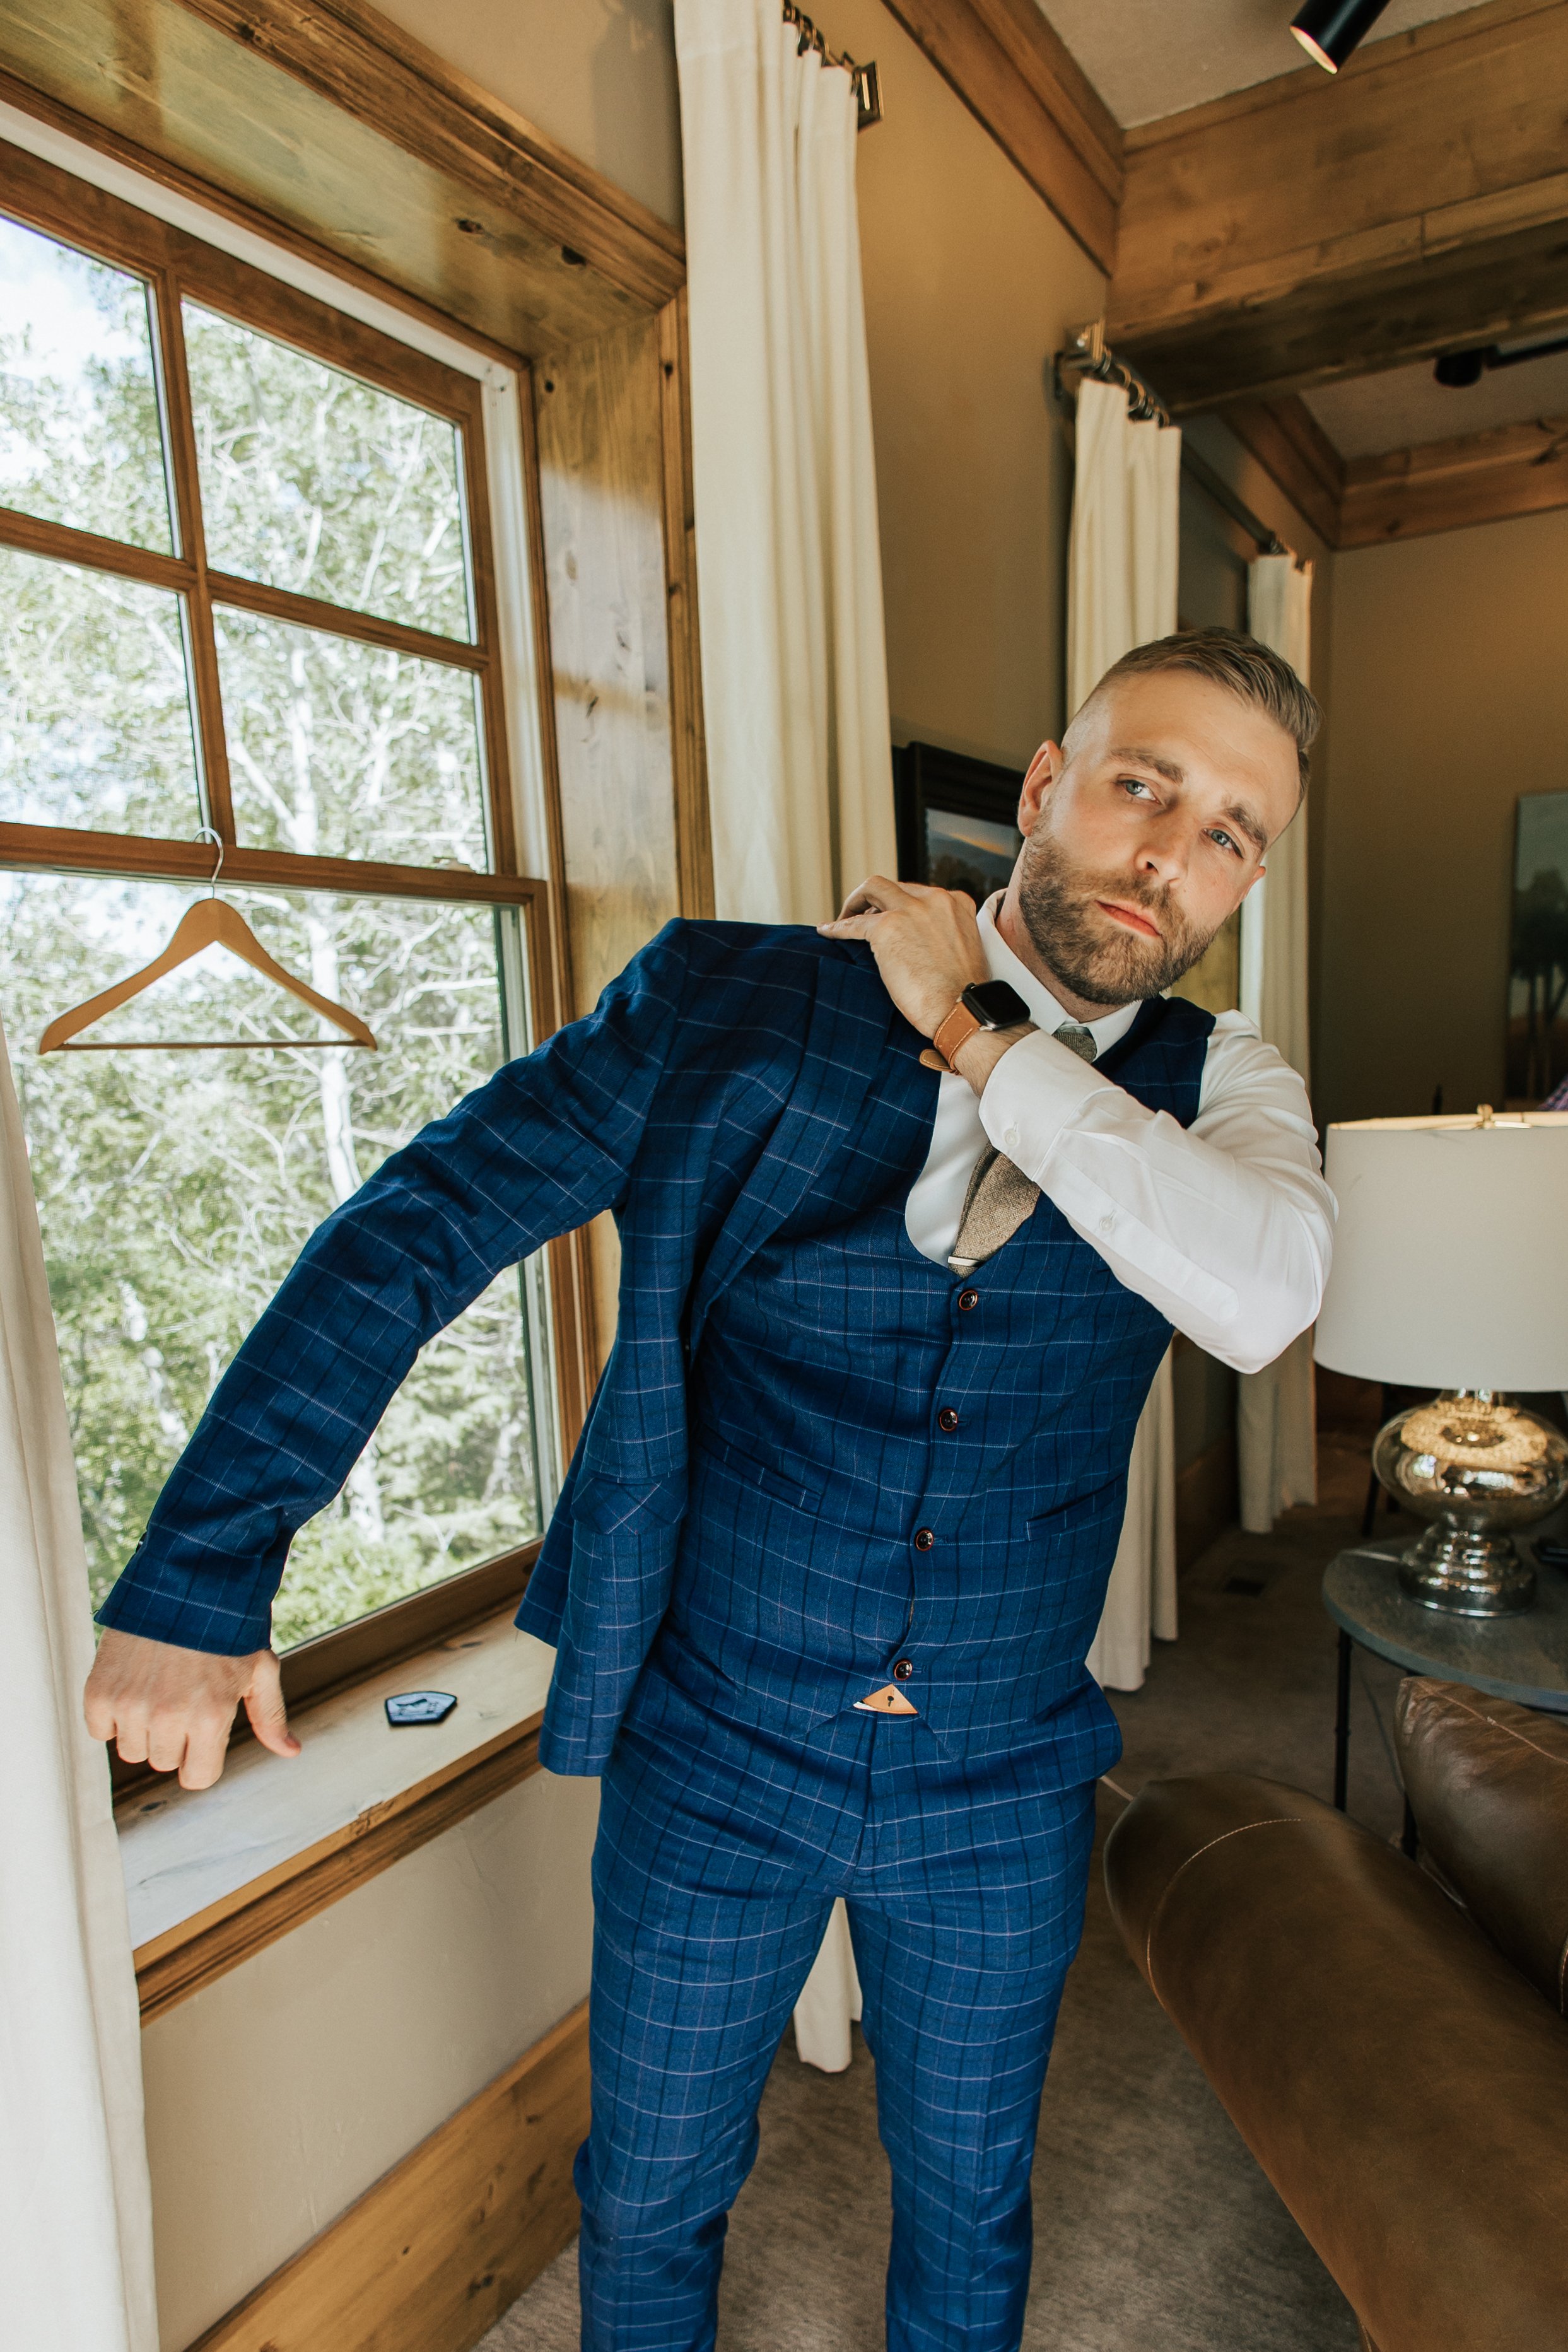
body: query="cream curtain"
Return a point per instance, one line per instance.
(794, 687)
(795, 682)
(1276, 1425)
(1122, 591)
(76, 2231)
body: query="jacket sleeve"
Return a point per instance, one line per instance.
(545, 1146)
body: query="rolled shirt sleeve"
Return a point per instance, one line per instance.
(1226, 1226)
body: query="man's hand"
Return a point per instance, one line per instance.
(926, 942)
(172, 1708)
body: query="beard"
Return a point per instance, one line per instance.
(1095, 959)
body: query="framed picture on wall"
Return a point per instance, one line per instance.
(1538, 950)
(956, 819)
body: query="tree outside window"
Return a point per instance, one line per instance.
(278, 634)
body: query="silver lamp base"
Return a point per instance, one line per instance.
(1473, 1575)
(1478, 1467)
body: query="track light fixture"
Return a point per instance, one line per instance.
(1457, 371)
(1329, 30)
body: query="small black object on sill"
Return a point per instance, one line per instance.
(419, 1707)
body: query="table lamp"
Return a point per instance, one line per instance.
(1451, 1271)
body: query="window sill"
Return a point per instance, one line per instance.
(214, 1875)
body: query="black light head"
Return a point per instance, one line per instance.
(1328, 30)
(1459, 370)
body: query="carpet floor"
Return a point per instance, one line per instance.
(1154, 2230)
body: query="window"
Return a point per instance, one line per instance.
(247, 619)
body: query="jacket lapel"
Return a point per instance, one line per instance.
(853, 1027)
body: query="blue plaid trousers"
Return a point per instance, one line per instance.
(719, 1856)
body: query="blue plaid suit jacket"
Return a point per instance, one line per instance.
(698, 1101)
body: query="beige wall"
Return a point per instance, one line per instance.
(971, 285)
(596, 76)
(1450, 676)
(281, 2092)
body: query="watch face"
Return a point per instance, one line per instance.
(994, 1003)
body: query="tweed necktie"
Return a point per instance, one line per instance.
(1000, 1196)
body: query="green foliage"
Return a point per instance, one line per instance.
(316, 481)
(80, 441)
(176, 1187)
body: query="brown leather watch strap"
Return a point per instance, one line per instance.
(955, 1031)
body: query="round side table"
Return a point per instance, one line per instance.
(1524, 1658)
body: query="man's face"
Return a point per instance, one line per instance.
(1146, 833)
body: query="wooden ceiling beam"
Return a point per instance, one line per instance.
(1311, 229)
(1475, 478)
(1020, 81)
(1514, 469)
(1293, 450)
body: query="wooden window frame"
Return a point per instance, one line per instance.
(175, 263)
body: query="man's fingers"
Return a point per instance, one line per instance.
(97, 1710)
(848, 927)
(205, 1746)
(875, 896)
(264, 1706)
(174, 1709)
(129, 1738)
(166, 1747)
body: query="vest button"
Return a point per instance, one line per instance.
(923, 1539)
(903, 1669)
(967, 1299)
(947, 1419)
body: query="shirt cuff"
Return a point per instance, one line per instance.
(1036, 1089)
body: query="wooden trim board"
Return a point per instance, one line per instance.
(325, 124)
(1438, 486)
(1017, 78)
(432, 2256)
(214, 1875)
(378, 72)
(693, 828)
(1515, 469)
(1294, 451)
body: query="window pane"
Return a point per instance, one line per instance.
(95, 711)
(81, 440)
(176, 1189)
(340, 750)
(315, 481)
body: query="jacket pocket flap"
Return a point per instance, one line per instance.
(610, 1506)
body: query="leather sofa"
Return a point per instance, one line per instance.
(1392, 2049)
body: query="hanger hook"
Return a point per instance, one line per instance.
(207, 834)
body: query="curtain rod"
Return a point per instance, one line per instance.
(1091, 354)
(867, 79)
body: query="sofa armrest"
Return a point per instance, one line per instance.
(1401, 2086)
(1489, 1784)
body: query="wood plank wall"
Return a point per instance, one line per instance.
(599, 410)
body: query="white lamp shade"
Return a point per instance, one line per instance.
(1451, 1253)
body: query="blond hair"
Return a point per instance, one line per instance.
(1252, 671)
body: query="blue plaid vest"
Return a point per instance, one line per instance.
(890, 1465)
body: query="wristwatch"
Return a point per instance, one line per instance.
(984, 1004)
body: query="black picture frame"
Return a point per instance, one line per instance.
(946, 805)
(1536, 1059)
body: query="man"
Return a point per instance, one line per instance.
(907, 1210)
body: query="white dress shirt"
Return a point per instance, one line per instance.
(1226, 1226)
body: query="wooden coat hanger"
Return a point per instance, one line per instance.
(209, 923)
